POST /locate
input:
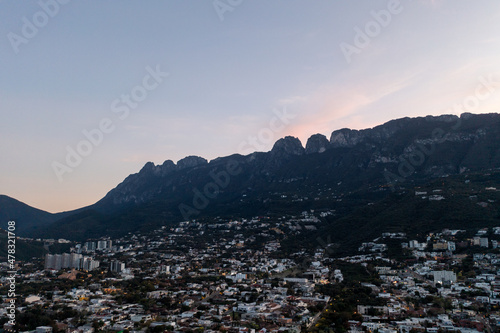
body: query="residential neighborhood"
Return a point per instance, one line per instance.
(235, 276)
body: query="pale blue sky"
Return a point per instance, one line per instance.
(225, 79)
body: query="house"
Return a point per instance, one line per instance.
(43, 329)
(31, 299)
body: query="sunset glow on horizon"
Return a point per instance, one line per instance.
(163, 80)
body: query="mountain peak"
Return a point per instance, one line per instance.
(148, 167)
(345, 137)
(288, 145)
(368, 158)
(191, 161)
(317, 143)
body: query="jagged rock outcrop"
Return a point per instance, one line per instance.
(149, 167)
(167, 167)
(385, 146)
(288, 145)
(317, 143)
(136, 188)
(410, 149)
(191, 161)
(345, 137)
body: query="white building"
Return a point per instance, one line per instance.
(444, 277)
(89, 264)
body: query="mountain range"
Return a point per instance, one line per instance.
(340, 173)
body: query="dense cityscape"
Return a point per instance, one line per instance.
(250, 166)
(235, 276)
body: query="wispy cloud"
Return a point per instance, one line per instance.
(332, 106)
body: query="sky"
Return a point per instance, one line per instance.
(92, 90)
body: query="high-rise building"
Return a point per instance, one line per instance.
(94, 264)
(75, 259)
(89, 264)
(66, 258)
(49, 261)
(101, 245)
(90, 246)
(58, 262)
(117, 266)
